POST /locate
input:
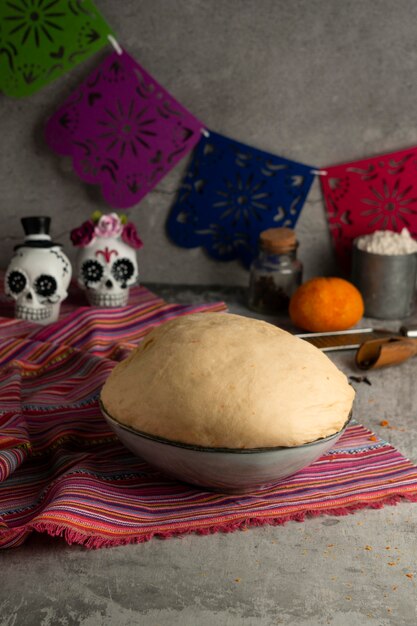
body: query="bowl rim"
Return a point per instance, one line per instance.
(197, 448)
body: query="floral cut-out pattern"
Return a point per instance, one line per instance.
(361, 197)
(42, 39)
(123, 130)
(231, 193)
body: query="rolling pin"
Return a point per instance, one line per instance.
(377, 353)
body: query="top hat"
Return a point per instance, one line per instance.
(37, 232)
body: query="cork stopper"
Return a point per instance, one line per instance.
(278, 240)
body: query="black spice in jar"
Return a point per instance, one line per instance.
(276, 273)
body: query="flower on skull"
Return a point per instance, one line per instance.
(131, 237)
(109, 226)
(82, 235)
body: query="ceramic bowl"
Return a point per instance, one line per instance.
(226, 470)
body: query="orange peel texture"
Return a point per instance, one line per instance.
(326, 304)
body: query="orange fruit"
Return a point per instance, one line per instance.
(326, 304)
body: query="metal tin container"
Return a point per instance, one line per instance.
(387, 283)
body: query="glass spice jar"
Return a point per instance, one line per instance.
(276, 273)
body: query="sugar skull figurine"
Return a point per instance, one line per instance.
(106, 260)
(39, 274)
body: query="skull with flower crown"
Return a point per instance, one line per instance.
(106, 262)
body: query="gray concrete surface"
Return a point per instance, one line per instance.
(332, 570)
(320, 81)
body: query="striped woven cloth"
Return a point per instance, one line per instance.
(63, 472)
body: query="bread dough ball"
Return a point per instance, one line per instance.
(223, 380)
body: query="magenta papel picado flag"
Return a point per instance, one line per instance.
(123, 130)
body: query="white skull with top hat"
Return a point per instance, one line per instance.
(106, 262)
(39, 274)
